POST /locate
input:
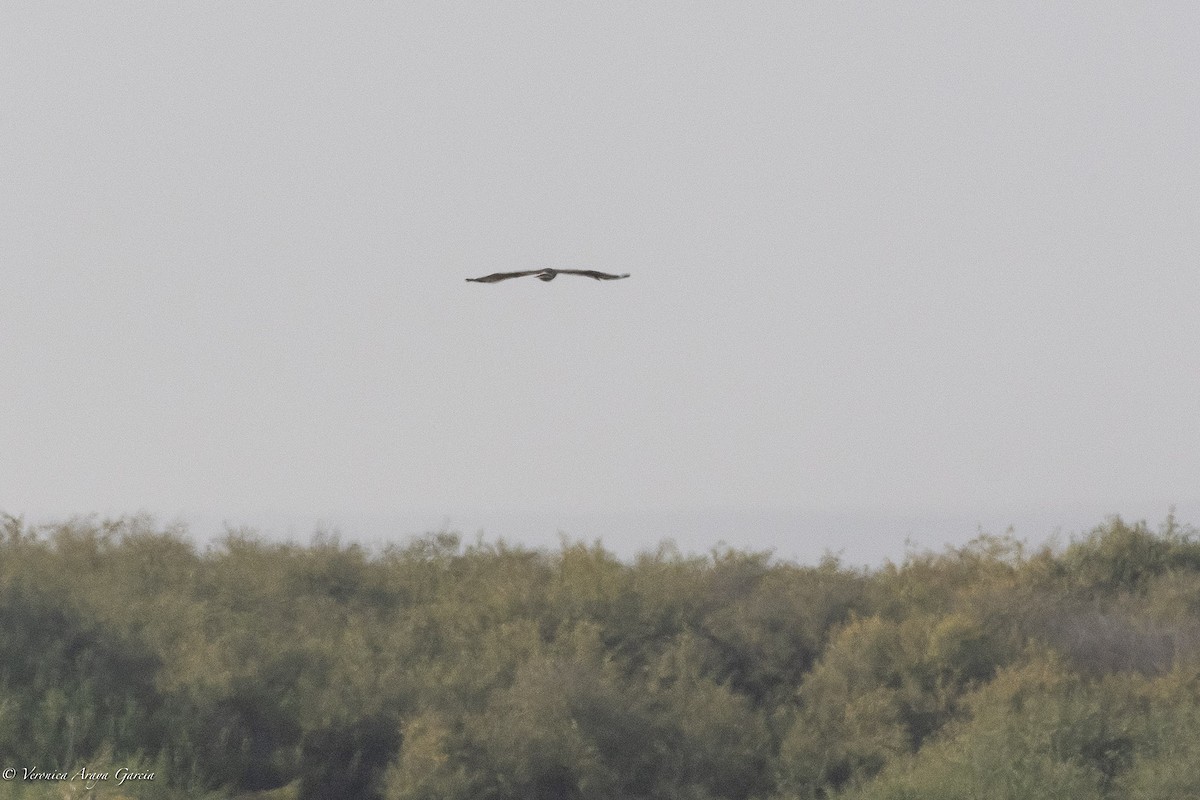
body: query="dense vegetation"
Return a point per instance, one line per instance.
(438, 671)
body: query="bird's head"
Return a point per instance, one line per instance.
(547, 274)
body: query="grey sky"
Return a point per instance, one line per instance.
(934, 259)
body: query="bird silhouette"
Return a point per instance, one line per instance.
(548, 275)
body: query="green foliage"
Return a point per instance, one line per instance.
(1119, 557)
(435, 670)
(1040, 730)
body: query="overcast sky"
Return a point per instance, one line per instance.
(920, 261)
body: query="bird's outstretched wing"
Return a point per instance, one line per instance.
(591, 273)
(503, 276)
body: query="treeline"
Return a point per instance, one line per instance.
(442, 671)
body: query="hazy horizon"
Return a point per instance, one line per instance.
(864, 538)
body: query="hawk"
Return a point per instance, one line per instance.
(548, 275)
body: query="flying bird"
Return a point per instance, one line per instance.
(548, 275)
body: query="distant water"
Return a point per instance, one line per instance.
(858, 539)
